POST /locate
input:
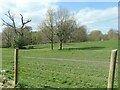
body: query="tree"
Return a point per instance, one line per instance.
(112, 34)
(0, 40)
(7, 36)
(65, 25)
(58, 23)
(95, 35)
(18, 37)
(79, 35)
(47, 26)
(26, 39)
(105, 37)
(38, 37)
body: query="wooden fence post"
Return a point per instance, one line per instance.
(112, 69)
(16, 66)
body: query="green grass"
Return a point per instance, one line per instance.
(96, 45)
(78, 65)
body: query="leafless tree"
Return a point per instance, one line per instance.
(58, 23)
(18, 32)
(65, 25)
(48, 25)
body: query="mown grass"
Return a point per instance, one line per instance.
(78, 65)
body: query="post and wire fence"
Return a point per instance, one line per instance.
(112, 66)
(16, 66)
(111, 75)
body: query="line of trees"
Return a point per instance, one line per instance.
(59, 26)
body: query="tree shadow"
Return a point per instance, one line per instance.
(85, 48)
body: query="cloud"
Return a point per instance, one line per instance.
(36, 10)
(89, 0)
(30, 9)
(91, 17)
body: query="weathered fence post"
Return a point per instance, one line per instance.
(112, 69)
(16, 66)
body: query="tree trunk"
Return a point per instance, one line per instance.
(61, 44)
(52, 44)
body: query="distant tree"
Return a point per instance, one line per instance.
(112, 34)
(19, 32)
(7, 37)
(95, 35)
(38, 37)
(35, 38)
(119, 34)
(80, 34)
(0, 40)
(104, 37)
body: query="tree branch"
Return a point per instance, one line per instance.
(7, 24)
(23, 23)
(10, 16)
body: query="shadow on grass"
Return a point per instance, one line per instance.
(85, 48)
(33, 47)
(51, 88)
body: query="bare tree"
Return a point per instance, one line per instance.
(65, 25)
(48, 25)
(13, 25)
(58, 23)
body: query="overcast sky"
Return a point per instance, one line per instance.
(95, 15)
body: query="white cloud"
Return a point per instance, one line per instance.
(90, 17)
(36, 10)
(30, 9)
(89, 0)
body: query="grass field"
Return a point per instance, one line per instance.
(78, 65)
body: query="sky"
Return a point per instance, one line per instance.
(94, 14)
